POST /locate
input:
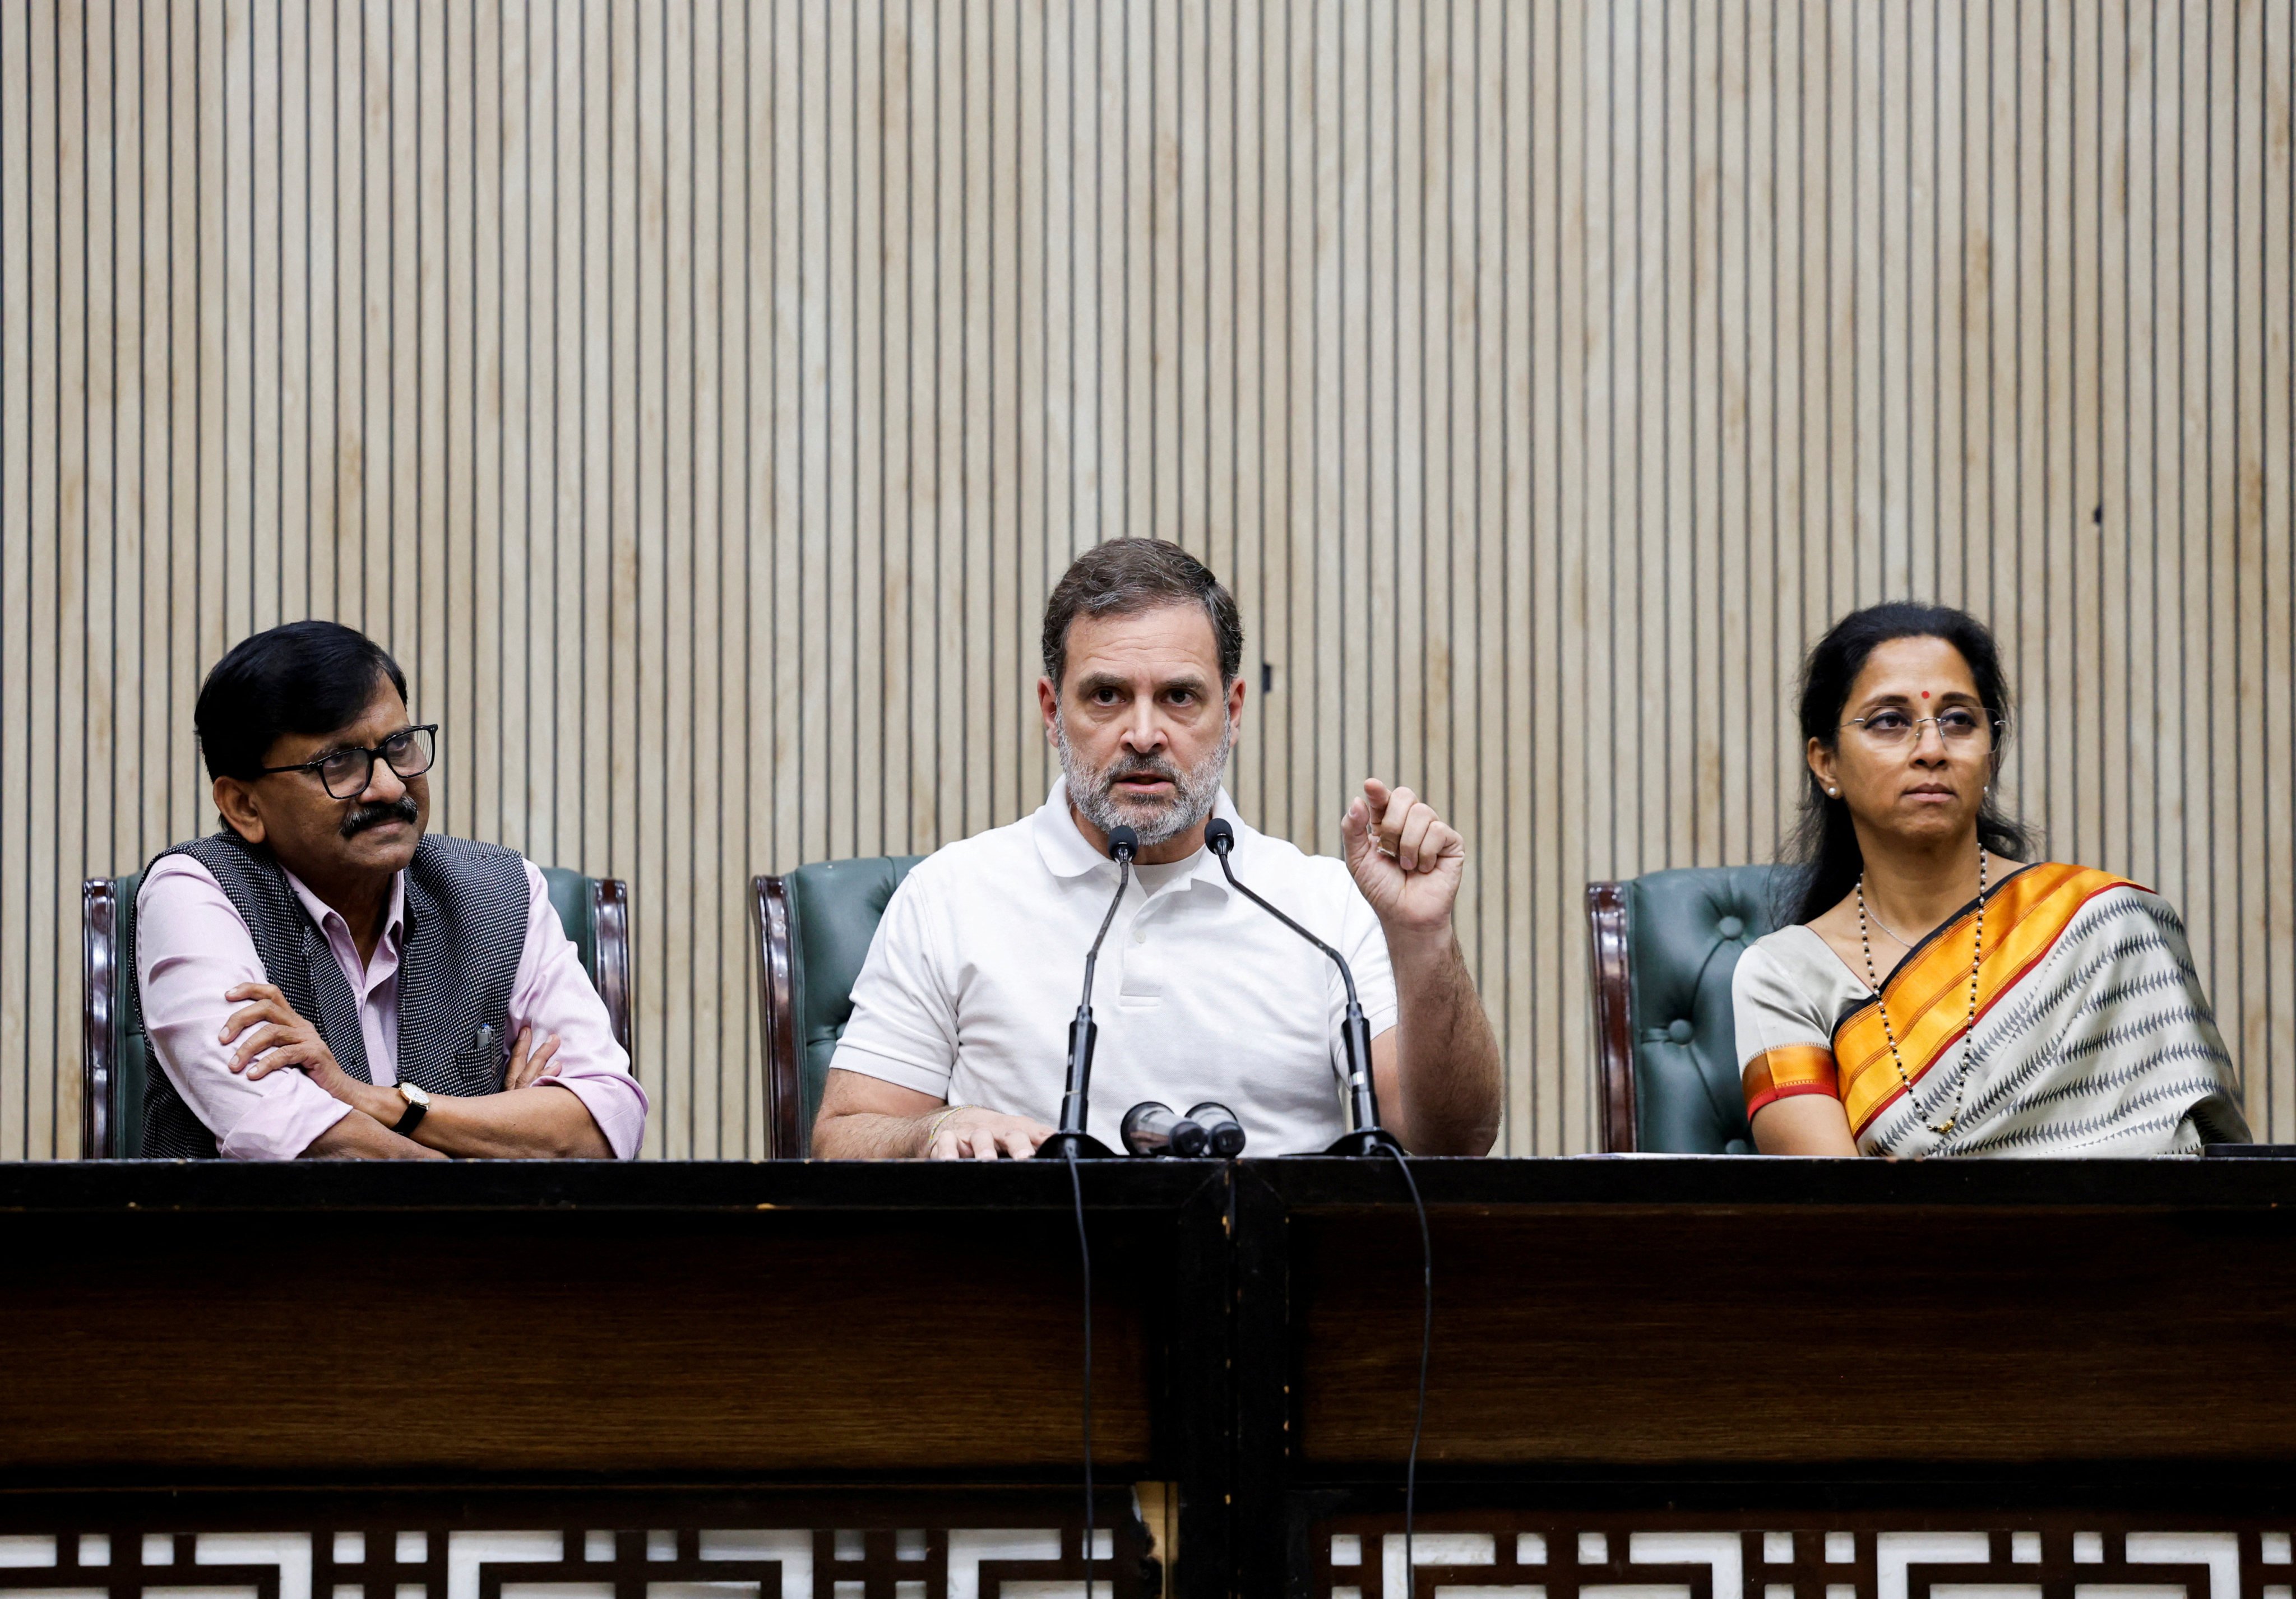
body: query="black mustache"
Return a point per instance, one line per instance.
(401, 810)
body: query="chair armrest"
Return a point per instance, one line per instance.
(610, 932)
(1612, 989)
(785, 1133)
(100, 996)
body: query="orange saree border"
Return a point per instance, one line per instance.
(1789, 1070)
(1928, 995)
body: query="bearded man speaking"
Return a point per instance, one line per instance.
(957, 1045)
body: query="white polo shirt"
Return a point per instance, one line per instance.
(975, 972)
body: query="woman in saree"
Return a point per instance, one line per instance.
(1935, 994)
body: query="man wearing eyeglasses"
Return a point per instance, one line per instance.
(320, 978)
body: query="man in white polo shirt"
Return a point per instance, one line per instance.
(958, 1043)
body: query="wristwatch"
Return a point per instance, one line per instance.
(418, 1105)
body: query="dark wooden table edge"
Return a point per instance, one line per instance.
(1301, 1184)
(1307, 1185)
(122, 1187)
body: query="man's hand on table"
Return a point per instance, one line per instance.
(863, 1118)
(969, 1133)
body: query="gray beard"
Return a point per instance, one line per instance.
(1092, 790)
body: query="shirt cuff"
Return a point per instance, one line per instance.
(933, 1081)
(615, 1103)
(280, 1126)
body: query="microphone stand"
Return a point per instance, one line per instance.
(1083, 1032)
(1364, 1135)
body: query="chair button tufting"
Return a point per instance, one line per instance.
(1730, 927)
(1679, 1031)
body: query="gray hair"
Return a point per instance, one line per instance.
(1126, 576)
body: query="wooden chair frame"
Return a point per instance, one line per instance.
(100, 979)
(99, 949)
(610, 918)
(785, 1133)
(1612, 989)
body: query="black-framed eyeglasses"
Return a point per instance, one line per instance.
(1955, 726)
(345, 773)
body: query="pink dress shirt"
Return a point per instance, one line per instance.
(193, 947)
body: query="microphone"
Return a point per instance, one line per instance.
(1151, 1129)
(1366, 1135)
(1123, 844)
(1223, 1132)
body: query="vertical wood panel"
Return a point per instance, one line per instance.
(700, 400)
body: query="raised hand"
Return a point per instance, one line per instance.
(1407, 860)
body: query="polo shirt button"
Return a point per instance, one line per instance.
(1139, 935)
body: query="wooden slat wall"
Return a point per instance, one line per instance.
(702, 398)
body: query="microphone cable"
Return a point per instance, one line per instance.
(1124, 843)
(1084, 1253)
(1426, 1341)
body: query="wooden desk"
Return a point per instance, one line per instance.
(664, 1347)
(1706, 1378)
(1640, 1348)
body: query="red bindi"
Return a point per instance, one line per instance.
(1925, 693)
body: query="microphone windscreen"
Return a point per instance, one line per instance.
(1223, 1134)
(1151, 1128)
(1122, 841)
(1218, 835)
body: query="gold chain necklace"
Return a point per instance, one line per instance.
(1969, 1033)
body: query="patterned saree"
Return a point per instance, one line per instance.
(2092, 1037)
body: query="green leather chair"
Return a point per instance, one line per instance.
(814, 927)
(1663, 947)
(114, 1058)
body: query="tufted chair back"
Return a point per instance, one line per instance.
(814, 930)
(1664, 947)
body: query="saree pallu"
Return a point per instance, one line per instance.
(2092, 1035)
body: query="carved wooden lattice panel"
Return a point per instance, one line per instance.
(918, 1562)
(1495, 1555)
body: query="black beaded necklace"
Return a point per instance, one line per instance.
(1968, 1034)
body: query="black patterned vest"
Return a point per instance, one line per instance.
(466, 930)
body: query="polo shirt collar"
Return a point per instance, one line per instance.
(1068, 853)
